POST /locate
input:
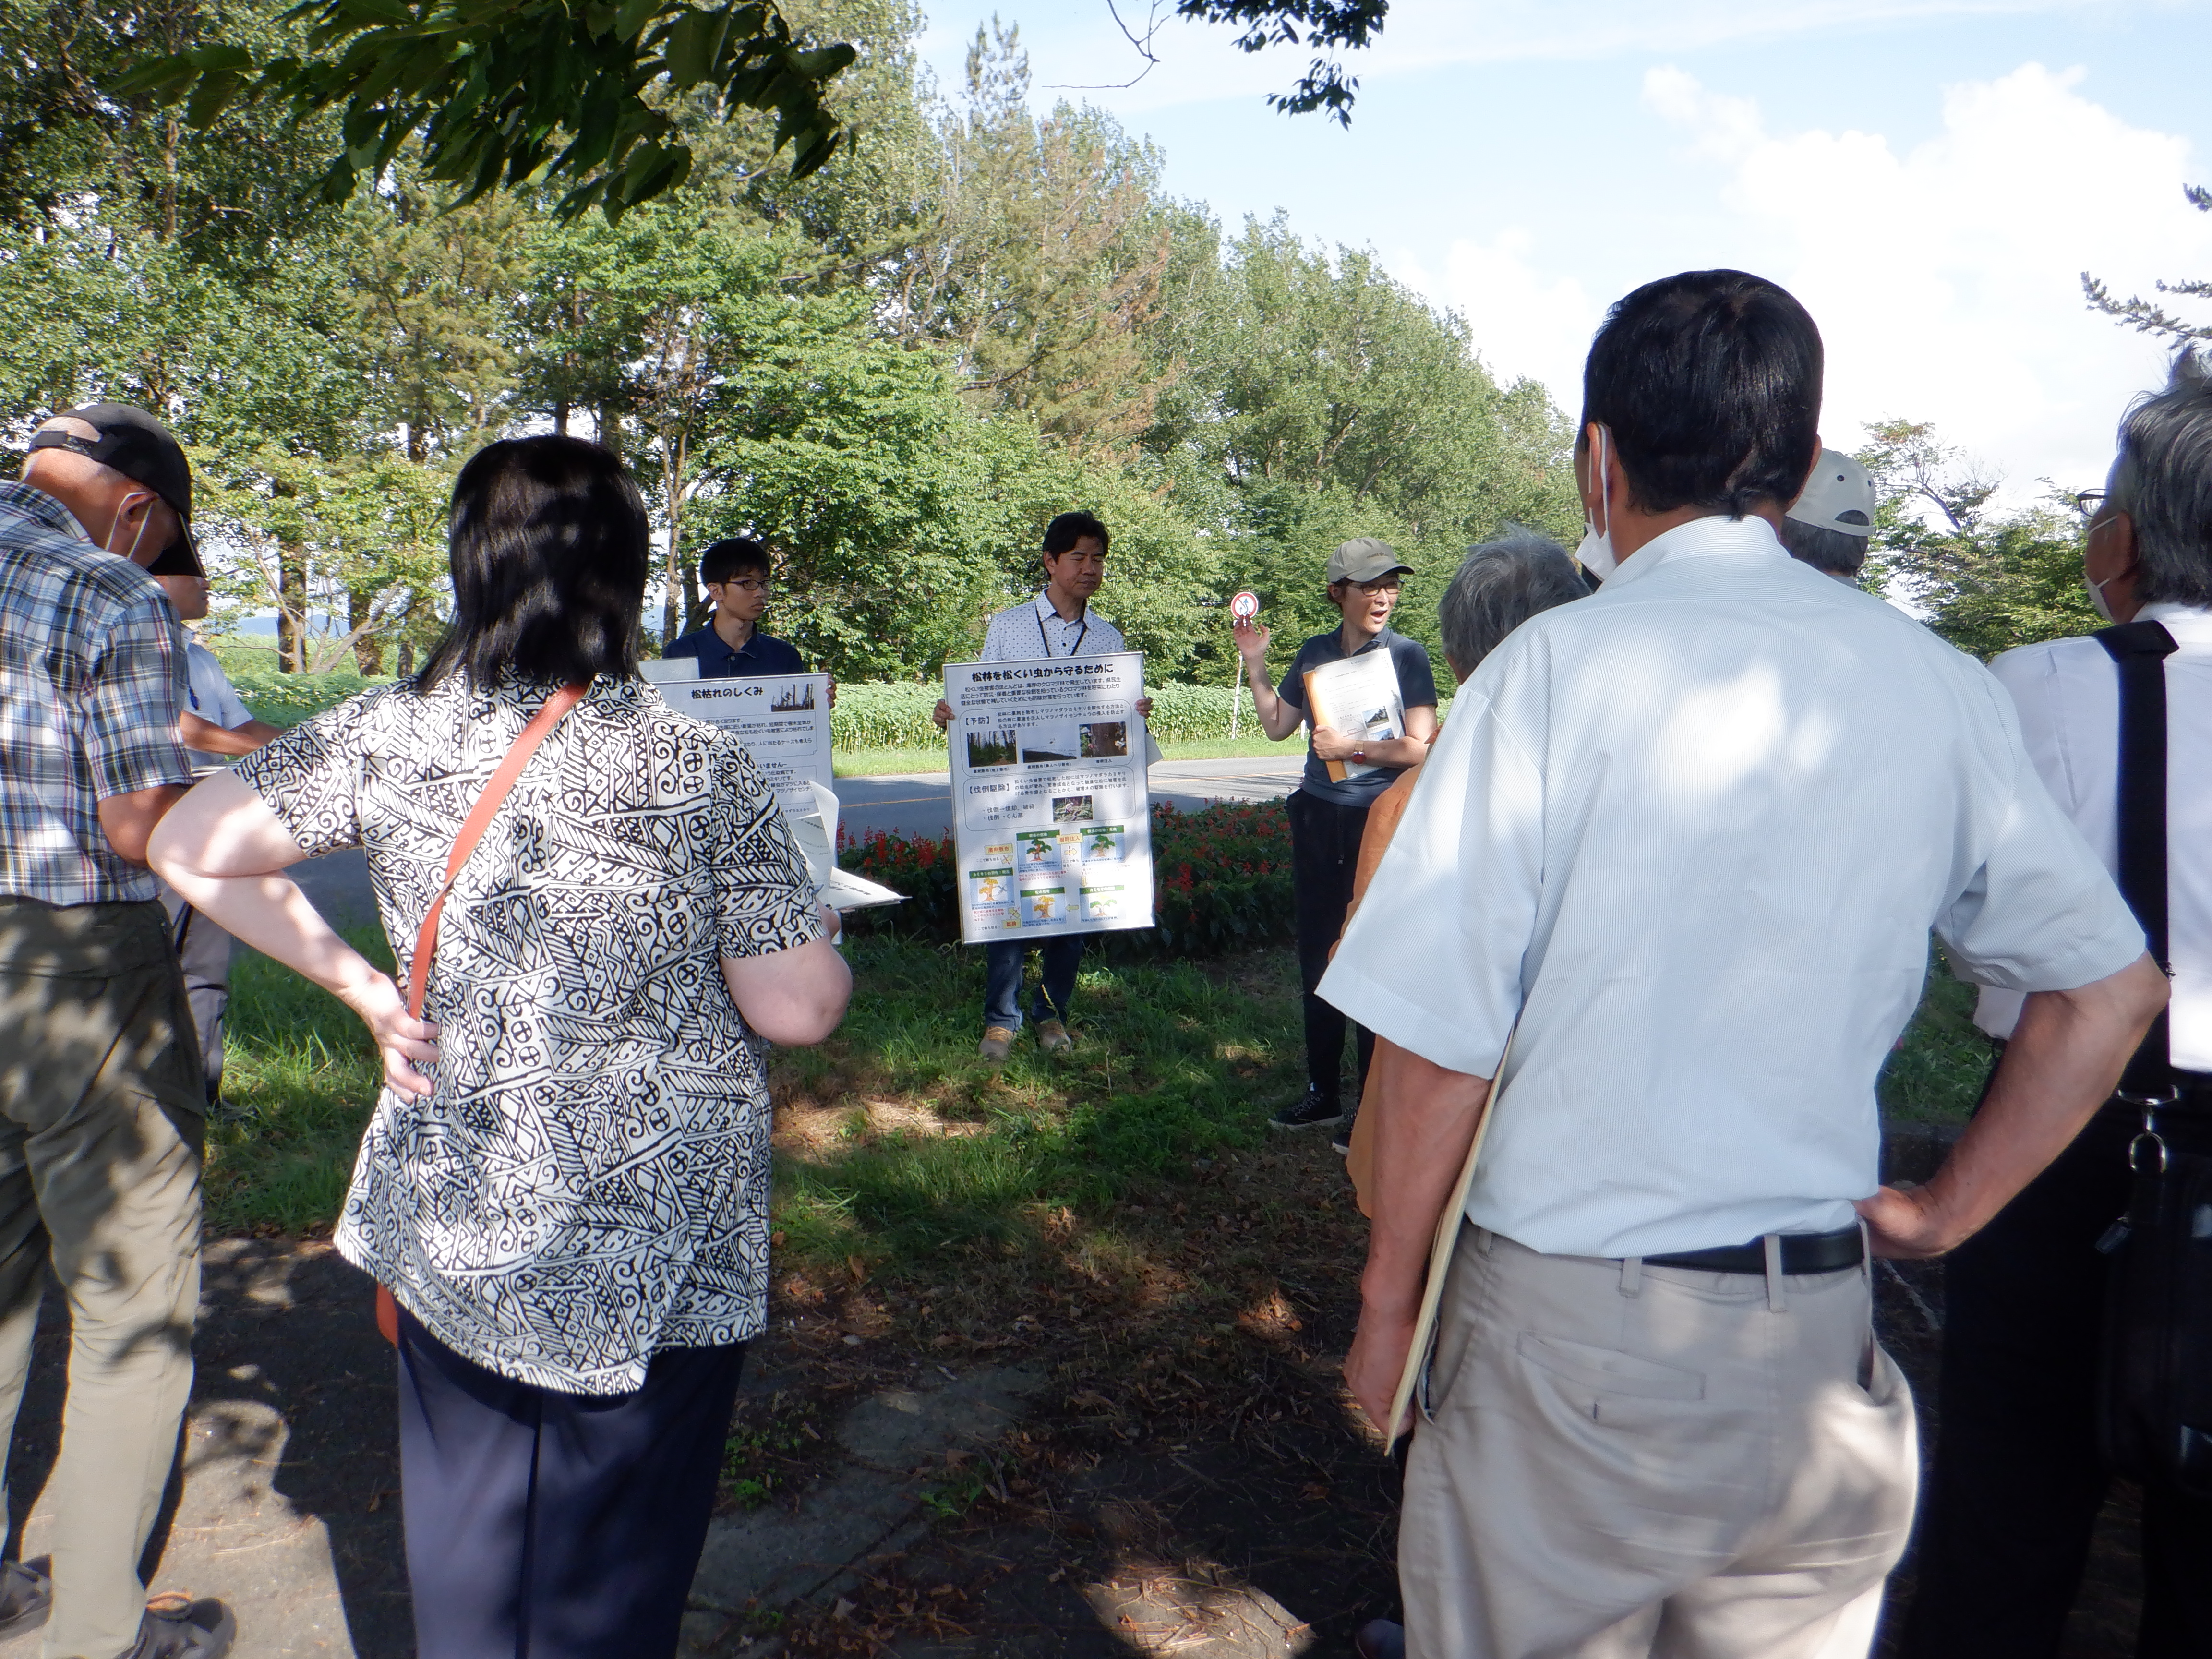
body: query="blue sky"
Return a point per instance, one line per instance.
(1929, 176)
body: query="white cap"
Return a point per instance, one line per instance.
(1839, 497)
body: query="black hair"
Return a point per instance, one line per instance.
(1709, 384)
(721, 561)
(549, 547)
(1069, 528)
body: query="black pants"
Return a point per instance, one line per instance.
(2018, 1482)
(1324, 854)
(556, 1526)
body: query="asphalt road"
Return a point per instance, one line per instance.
(904, 804)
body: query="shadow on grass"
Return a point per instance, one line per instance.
(303, 1070)
(898, 1144)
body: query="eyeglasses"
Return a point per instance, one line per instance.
(1380, 585)
(2088, 501)
(746, 585)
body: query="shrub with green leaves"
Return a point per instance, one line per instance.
(885, 715)
(288, 699)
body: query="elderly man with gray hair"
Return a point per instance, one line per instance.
(2018, 1479)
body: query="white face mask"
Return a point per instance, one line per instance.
(137, 535)
(2097, 597)
(1595, 552)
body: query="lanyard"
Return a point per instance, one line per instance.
(1080, 632)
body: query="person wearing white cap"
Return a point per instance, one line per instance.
(1828, 526)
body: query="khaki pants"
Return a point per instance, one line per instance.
(100, 1097)
(1625, 1462)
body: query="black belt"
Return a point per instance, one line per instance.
(1801, 1253)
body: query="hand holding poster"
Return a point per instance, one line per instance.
(1053, 815)
(1357, 698)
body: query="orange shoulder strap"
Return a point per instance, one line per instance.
(479, 820)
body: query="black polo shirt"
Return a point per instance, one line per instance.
(1417, 689)
(760, 655)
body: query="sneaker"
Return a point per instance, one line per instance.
(1053, 1037)
(1341, 1137)
(998, 1043)
(175, 1627)
(1380, 1639)
(26, 1595)
(1315, 1110)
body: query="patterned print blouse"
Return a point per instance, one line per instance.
(589, 1181)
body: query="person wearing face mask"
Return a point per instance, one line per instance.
(102, 1094)
(2018, 1480)
(1668, 877)
(1328, 815)
(216, 729)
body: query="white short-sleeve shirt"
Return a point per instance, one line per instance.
(2068, 696)
(1698, 825)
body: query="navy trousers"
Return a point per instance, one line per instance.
(543, 1525)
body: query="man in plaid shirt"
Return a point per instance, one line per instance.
(101, 1094)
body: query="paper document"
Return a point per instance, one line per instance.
(1357, 698)
(815, 828)
(782, 720)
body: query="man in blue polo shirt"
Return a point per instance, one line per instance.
(734, 573)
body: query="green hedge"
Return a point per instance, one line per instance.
(288, 699)
(878, 715)
(868, 714)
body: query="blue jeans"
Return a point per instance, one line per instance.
(1002, 996)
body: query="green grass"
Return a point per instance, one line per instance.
(1935, 1074)
(937, 1153)
(874, 762)
(908, 1148)
(303, 1071)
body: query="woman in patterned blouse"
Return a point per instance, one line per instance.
(565, 1183)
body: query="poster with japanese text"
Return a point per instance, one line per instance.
(1052, 813)
(783, 720)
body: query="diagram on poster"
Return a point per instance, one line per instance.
(783, 721)
(1053, 813)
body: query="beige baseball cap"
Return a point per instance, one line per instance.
(1839, 497)
(1365, 559)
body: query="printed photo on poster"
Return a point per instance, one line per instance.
(1105, 740)
(990, 749)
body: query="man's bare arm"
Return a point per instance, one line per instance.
(1425, 1119)
(205, 737)
(2064, 1059)
(128, 819)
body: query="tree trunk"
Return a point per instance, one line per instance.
(368, 649)
(291, 608)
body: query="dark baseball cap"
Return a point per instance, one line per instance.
(1365, 559)
(142, 450)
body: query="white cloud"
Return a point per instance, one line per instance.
(1945, 278)
(1077, 51)
(1524, 321)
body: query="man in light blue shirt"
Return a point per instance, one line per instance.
(1668, 875)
